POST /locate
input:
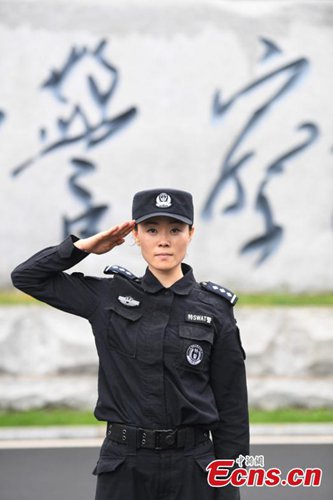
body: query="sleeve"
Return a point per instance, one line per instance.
(42, 277)
(228, 379)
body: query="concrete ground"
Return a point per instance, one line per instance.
(56, 462)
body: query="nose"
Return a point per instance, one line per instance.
(164, 241)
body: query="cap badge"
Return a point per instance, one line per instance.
(163, 200)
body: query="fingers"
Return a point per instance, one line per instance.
(118, 232)
(120, 242)
(126, 227)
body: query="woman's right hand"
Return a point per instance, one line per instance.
(106, 240)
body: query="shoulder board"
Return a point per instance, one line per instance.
(122, 271)
(219, 290)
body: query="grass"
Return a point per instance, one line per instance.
(62, 416)
(291, 415)
(269, 299)
(12, 297)
(16, 298)
(45, 417)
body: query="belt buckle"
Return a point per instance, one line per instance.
(165, 436)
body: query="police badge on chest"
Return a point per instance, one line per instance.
(197, 333)
(194, 354)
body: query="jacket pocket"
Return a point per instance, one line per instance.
(195, 346)
(203, 461)
(107, 465)
(123, 329)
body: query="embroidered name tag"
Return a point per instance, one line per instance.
(198, 318)
(128, 301)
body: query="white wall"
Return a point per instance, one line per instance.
(171, 58)
(49, 358)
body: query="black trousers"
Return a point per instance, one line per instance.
(126, 473)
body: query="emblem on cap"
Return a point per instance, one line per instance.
(128, 301)
(163, 200)
(194, 354)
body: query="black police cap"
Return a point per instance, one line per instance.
(166, 202)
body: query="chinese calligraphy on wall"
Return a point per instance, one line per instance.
(236, 160)
(89, 125)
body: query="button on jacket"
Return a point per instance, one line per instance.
(167, 357)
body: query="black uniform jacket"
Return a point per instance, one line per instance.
(167, 357)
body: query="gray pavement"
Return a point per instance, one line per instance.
(53, 463)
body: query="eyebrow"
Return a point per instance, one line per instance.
(155, 223)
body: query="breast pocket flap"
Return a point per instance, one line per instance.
(130, 313)
(196, 332)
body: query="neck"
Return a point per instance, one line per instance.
(168, 277)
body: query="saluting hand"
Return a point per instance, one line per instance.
(106, 240)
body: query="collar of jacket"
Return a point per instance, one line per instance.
(183, 286)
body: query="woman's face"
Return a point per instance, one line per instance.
(163, 242)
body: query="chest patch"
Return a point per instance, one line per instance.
(198, 318)
(194, 354)
(128, 301)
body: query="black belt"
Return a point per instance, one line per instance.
(159, 439)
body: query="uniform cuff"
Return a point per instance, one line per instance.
(67, 249)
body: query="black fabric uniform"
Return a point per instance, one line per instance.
(169, 358)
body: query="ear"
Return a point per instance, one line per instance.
(192, 231)
(135, 236)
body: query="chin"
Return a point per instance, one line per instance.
(164, 266)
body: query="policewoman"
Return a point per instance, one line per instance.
(171, 382)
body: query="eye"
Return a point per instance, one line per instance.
(176, 230)
(151, 230)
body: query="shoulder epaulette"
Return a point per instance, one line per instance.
(122, 271)
(220, 290)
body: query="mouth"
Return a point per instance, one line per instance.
(163, 255)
